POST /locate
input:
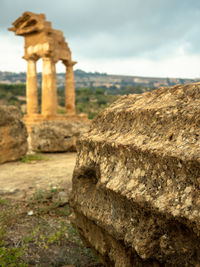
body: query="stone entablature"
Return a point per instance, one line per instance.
(42, 41)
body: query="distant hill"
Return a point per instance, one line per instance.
(102, 80)
(94, 91)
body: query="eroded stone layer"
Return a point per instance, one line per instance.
(13, 134)
(136, 184)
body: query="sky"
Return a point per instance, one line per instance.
(159, 38)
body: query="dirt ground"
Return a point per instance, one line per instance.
(21, 179)
(35, 228)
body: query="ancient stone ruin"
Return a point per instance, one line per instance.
(57, 136)
(136, 184)
(13, 134)
(42, 41)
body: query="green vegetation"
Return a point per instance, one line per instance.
(14, 89)
(92, 101)
(88, 100)
(10, 94)
(37, 232)
(34, 157)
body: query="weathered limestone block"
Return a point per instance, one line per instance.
(136, 184)
(57, 136)
(13, 134)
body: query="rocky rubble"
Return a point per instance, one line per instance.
(57, 136)
(136, 184)
(13, 134)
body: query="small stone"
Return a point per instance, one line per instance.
(63, 198)
(30, 213)
(66, 235)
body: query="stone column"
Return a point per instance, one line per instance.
(31, 87)
(70, 88)
(49, 92)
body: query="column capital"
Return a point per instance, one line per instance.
(68, 63)
(50, 59)
(32, 57)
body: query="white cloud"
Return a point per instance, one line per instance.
(182, 66)
(148, 38)
(11, 53)
(179, 64)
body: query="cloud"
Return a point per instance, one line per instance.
(151, 30)
(181, 66)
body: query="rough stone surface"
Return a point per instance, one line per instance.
(13, 134)
(58, 136)
(136, 184)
